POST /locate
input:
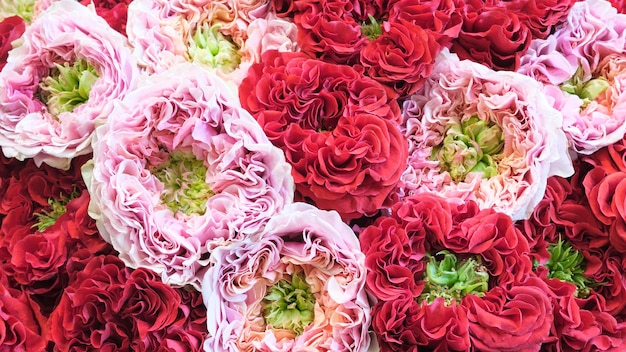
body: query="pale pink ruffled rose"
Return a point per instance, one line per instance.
(226, 37)
(65, 33)
(582, 68)
(181, 168)
(315, 259)
(477, 134)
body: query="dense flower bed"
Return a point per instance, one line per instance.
(324, 175)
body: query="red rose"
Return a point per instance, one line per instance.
(424, 215)
(579, 325)
(541, 17)
(492, 235)
(611, 275)
(329, 30)
(492, 36)
(393, 259)
(22, 327)
(441, 17)
(11, 28)
(405, 325)
(401, 57)
(607, 199)
(518, 318)
(338, 129)
(110, 307)
(620, 5)
(113, 11)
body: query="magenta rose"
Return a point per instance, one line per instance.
(493, 36)
(11, 28)
(516, 318)
(337, 128)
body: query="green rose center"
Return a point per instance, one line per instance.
(470, 146)
(289, 304)
(371, 30)
(23, 8)
(184, 180)
(56, 208)
(68, 86)
(209, 46)
(452, 279)
(587, 90)
(568, 264)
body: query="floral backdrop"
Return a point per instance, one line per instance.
(312, 175)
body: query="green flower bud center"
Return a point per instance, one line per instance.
(67, 86)
(210, 47)
(371, 30)
(587, 90)
(567, 264)
(474, 145)
(24, 9)
(452, 279)
(289, 304)
(56, 208)
(184, 181)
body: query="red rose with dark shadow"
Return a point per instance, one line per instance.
(492, 36)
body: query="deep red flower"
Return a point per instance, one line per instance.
(541, 17)
(11, 28)
(112, 308)
(493, 36)
(338, 129)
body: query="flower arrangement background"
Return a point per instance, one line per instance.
(326, 175)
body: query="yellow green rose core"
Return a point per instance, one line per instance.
(452, 279)
(289, 304)
(184, 180)
(21, 8)
(56, 208)
(67, 86)
(210, 47)
(371, 30)
(473, 145)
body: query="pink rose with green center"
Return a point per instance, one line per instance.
(298, 285)
(477, 134)
(60, 82)
(179, 169)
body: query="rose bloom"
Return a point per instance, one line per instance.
(43, 220)
(337, 128)
(22, 326)
(226, 36)
(428, 259)
(11, 29)
(583, 66)
(109, 307)
(179, 169)
(296, 286)
(492, 35)
(481, 135)
(60, 82)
